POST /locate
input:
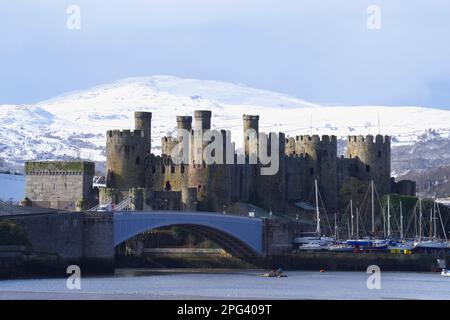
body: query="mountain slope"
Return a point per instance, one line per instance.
(74, 124)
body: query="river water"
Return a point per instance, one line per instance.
(232, 284)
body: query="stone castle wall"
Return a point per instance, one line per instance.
(126, 153)
(373, 159)
(303, 159)
(59, 184)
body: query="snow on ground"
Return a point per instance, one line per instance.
(75, 124)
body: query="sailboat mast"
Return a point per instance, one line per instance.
(373, 211)
(415, 222)
(401, 221)
(442, 223)
(420, 219)
(431, 223)
(351, 217)
(389, 218)
(434, 218)
(357, 223)
(348, 229)
(317, 209)
(335, 227)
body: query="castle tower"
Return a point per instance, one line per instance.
(202, 120)
(202, 124)
(125, 159)
(251, 126)
(143, 122)
(374, 157)
(184, 123)
(320, 158)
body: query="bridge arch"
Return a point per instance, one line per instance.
(241, 236)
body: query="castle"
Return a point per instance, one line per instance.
(159, 182)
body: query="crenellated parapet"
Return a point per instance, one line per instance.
(369, 148)
(373, 156)
(314, 147)
(369, 139)
(123, 135)
(126, 151)
(310, 158)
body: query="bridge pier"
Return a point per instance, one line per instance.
(60, 239)
(278, 236)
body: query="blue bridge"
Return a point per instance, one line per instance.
(241, 236)
(89, 238)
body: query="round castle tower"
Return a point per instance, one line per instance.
(201, 125)
(125, 153)
(251, 126)
(184, 123)
(320, 154)
(374, 157)
(143, 122)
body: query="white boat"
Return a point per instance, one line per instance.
(314, 243)
(402, 246)
(432, 245)
(323, 241)
(340, 248)
(305, 240)
(368, 244)
(311, 247)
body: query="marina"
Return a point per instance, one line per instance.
(387, 240)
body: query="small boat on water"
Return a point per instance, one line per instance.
(274, 274)
(268, 275)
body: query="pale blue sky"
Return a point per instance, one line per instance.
(318, 50)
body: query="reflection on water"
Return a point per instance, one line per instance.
(232, 284)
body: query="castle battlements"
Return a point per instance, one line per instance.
(302, 159)
(123, 134)
(316, 138)
(250, 117)
(369, 139)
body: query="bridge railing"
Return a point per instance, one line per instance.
(124, 205)
(9, 208)
(94, 208)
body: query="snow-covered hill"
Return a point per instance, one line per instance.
(74, 124)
